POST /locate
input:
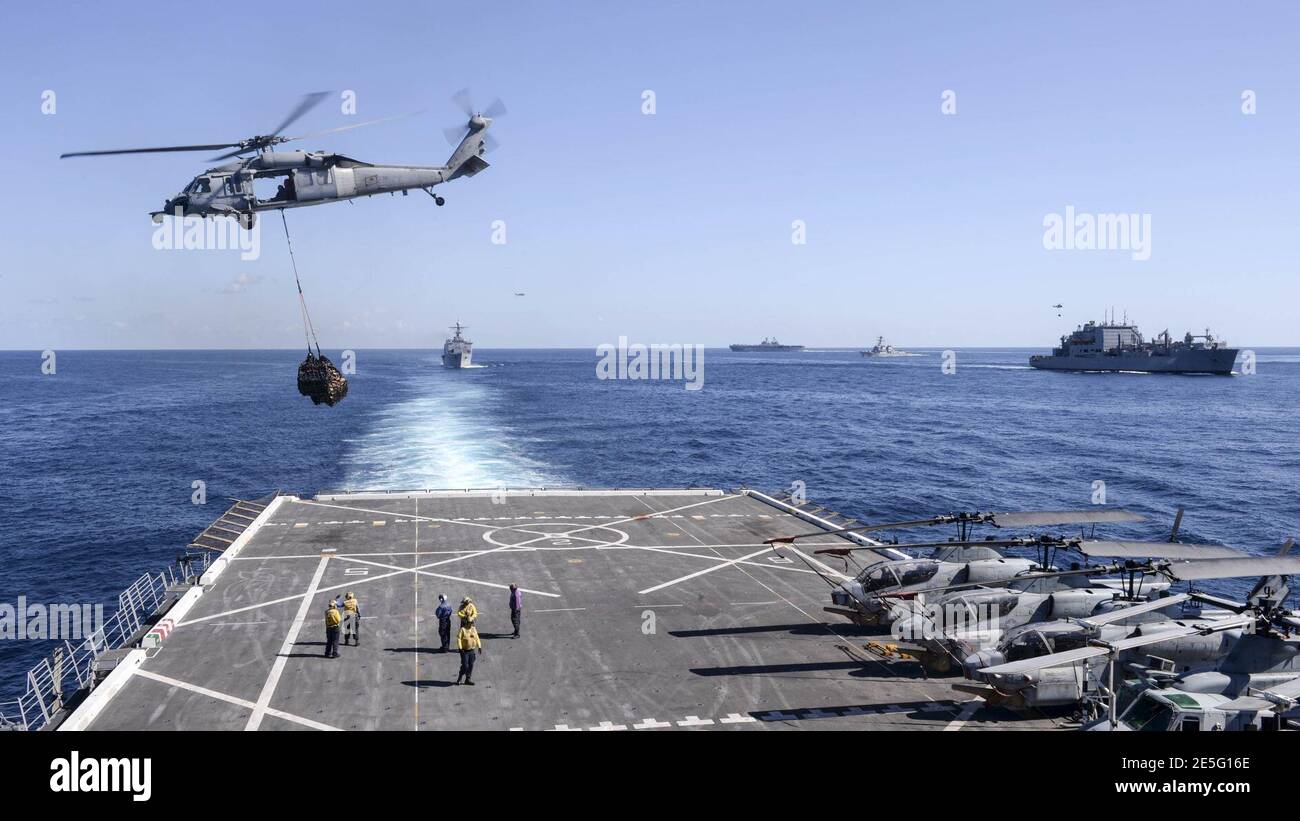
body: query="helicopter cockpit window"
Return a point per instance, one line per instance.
(917, 573)
(1026, 646)
(1072, 640)
(202, 185)
(1149, 716)
(880, 576)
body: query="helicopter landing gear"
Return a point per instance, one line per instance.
(437, 199)
(247, 221)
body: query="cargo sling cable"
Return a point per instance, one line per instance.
(317, 376)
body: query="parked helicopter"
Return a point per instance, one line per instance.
(880, 593)
(313, 177)
(1263, 661)
(955, 622)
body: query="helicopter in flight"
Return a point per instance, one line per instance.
(313, 177)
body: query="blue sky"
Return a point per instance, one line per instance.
(674, 227)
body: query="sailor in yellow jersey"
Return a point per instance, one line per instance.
(333, 619)
(467, 640)
(351, 619)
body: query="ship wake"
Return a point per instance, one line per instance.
(444, 435)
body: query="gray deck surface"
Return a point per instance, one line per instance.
(642, 612)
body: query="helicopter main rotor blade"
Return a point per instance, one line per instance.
(308, 102)
(496, 109)
(1064, 517)
(239, 149)
(1121, 613)
(991, 543)
(1232, 568)
(995, 583)
(855, 529)
(158, 150)
(354, 125)
(1092, 651)
(1157, 550)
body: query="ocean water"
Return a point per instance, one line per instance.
(97, 460)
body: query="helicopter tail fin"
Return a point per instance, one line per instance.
(467, 160)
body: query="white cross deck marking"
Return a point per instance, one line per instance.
(184, 685)
(461, 557)
(422, 572)
(698, 573)
(268, 689)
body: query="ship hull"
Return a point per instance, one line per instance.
(766, 348)
(1218, 361)
(456, 359)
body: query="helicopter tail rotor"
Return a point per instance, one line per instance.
(476, 120)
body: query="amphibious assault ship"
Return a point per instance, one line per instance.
(457, 351)
(770, 345)
(667, 605)
(1111, 346)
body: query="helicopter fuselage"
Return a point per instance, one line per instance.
(305, 178)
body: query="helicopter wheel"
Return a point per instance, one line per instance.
(439, 200)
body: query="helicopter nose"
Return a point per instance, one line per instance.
(973, 663)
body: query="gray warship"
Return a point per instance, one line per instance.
(769, 345)
(883, 349)
(1111, 346)
(457, 351)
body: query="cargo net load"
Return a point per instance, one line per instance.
(318, 378)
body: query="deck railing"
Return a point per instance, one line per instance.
(70, 668)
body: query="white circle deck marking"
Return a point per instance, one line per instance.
(558, 540)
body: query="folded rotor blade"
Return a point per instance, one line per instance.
(1121, 613)
(1064, 517)
(1157, 550)
(1094, 651)
(1233, 568)
(1263, 698)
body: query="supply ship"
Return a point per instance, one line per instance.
(457, 351)
(1111, 346)
(769, 345)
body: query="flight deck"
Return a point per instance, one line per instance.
(644, 610)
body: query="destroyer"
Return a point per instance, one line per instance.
(769, 345)
(1112, 346)
(881, 349)
(457, 351)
